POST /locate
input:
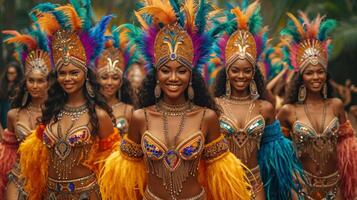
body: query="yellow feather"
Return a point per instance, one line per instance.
(226, 179)
(34, 160)
(70, 12)
(123, 175)
(298, 25)
(251, 8)
(189, 8)
(242, 20)
(141, 20)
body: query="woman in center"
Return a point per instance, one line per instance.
(248, 119)
(177, 128)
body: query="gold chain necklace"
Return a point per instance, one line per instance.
(173, 110)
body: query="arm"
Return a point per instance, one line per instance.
(285, 116)
(276, 79)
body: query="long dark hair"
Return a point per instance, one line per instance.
(20, 92)
(5, 91)
(57, 99)
(202, 96)
(126, 92)
(220, 83)
(292, 93)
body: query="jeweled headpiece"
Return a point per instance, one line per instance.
(310, 43)
(175, 32)
(244, 36)
(73, 37)
(119, 53)
(32, 50)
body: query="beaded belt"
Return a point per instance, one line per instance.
(148, 195)
(317, 184)
(255, 180)
(73, 186)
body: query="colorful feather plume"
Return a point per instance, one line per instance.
(191, 16)
(301, 29)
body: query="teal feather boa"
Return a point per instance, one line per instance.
(278, 164)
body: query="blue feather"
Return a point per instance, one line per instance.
(200, 21)
(278, 164)
(97, 34)
(255, 22)
(41, 38)
(179, 15)
(326, 27)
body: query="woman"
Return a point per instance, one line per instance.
(9, 79)
(26, 106)
(111, 68)
(314, 120)
(177, 125)
(58, 160)
(248, 119)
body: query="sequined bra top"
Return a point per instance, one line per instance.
(22, 131)
(68, 151)
(318, 146)
(243, 141)
(173, 165)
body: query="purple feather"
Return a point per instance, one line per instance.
(88, 45)
(149, 44)
(259, 44)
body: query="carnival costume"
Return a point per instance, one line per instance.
(73, 40)
(119, 54)
(172, 32)
(278, 166)
(311, 45)
(32, 50)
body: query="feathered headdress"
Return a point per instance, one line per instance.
(171, 31)
(72, 35)
(244, 36)
(310, 42)
(119, 53)
(32, 50)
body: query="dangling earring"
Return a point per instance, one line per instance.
(89, 89)
(157, 90)
(24, 98)
(228, 88)
(119, 95)
(302, 94)
(324, 91)
(190, 92)
(253, 90)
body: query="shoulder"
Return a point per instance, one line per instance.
(101, 113)
(267, 110)
(139, 115)
(287, 109)
(336, 103)
(11, 115)
(210, 115)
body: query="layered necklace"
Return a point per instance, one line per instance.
(237, 100)
(174, 174)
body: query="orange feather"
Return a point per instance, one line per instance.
(141, 20)
(11, 32)
(26, 40)
(242, 20)
(298, 25)
(70, 12)
(48, 23)
(162, 15)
